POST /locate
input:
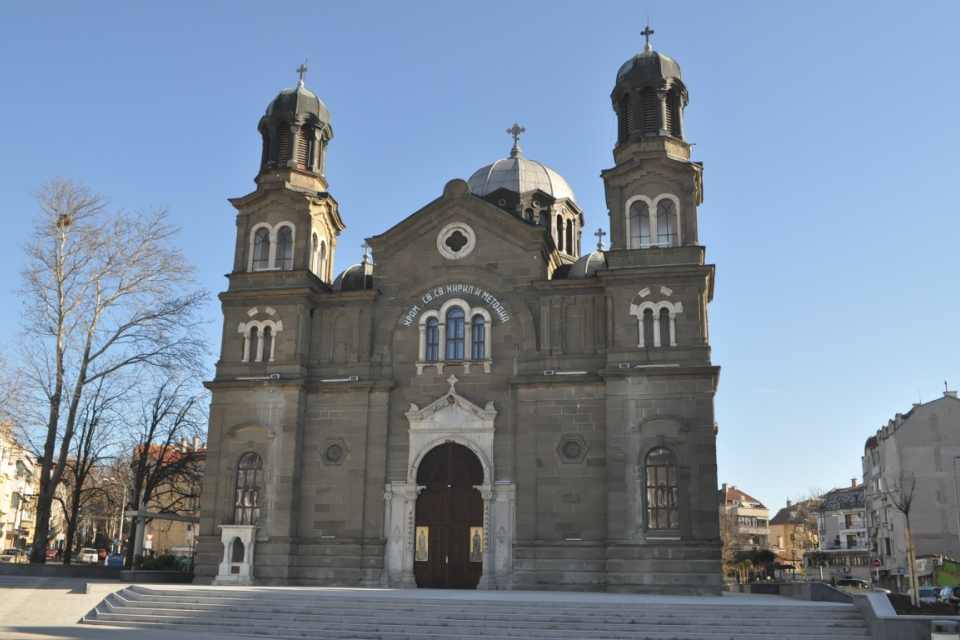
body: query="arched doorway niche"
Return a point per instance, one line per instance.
(451, 419)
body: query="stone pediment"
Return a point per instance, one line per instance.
(451, 412)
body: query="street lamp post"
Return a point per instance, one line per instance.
(123, 502)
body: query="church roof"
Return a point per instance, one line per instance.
(650, 64)
(355, 278)
(520, 175)
(588, 265)
(299, 100)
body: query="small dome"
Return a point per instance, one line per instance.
(519, 175)
(301, 102)
(588, 265)
(356, 278)
(650, 64)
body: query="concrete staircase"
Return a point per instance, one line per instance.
(443, 615)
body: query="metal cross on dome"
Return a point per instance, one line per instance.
(302, 69)
(515, 131)
(600, 233)
(366, 249)
(647, 33)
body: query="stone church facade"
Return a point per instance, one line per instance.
(482, 405)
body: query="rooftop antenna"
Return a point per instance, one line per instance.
(647, 33)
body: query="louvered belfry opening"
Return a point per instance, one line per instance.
(626, 117)
(673, 113)
(303, 149)
(649, 104)
(670, 112)
(283, 146)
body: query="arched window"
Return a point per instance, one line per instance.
(569, 243)
(559, 233)
(666, 223)
(664, 327)
(455, 334)
(315, 254)
(246, 507)
(433, 340)
(639, 225)
(322, 267)
(266, 347)
(650, 105)
(261, 249)
(528, 215)
(478, 348)
(254, 348)
(647, 340)
(662, 490)
(626, 117)
(284, 259)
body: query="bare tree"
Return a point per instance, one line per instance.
(902, 490)
(106, 292)
(732, 542)
(166, 467)
(84, 472)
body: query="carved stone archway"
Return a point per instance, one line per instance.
(451, 418)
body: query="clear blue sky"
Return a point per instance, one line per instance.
(828, 131)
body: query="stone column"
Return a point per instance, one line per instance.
(486, 578)
(399, 526)
(503, 527)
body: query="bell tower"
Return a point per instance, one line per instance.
(654, 189)
(291, 222)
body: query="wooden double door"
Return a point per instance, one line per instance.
(448, 541)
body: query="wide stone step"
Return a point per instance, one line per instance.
(268, 603)
(461, 611)
(338, 622)
(321, 615)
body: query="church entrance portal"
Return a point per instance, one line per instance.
(449, 532)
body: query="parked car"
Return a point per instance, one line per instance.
(853, 585)
(950, 595)
(12, 555)
(53, 552)
(928, 595)
(88, 555)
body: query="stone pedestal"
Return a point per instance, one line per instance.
(237, 566)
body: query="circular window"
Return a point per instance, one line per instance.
(334, 453)
(572, 449)
(456, 240)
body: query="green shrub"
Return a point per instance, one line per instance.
(155, 563)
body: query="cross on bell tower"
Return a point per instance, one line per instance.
(302, 70)
(647, 33)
